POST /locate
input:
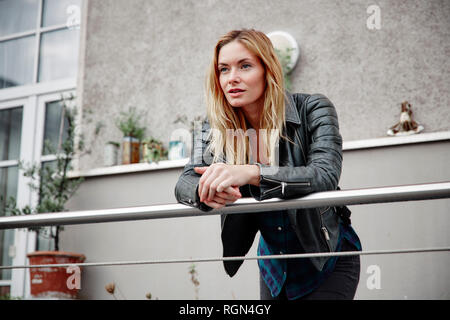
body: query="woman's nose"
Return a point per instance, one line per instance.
(234, 76)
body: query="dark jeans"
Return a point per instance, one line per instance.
(340, 285)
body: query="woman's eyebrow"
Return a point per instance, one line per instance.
(240, 61)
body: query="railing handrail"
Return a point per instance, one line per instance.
(415, 192)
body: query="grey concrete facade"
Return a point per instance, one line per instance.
(153, 55)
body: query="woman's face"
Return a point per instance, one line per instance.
(241, 75)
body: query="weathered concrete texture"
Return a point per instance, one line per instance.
(154, 55)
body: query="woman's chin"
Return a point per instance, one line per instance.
(236, 103)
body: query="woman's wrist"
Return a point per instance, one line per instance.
(254, 174)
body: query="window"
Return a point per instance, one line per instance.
(38, 40)
(55, 133)
(10, 137)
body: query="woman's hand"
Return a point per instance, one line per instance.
(220, 176)
(221, 199)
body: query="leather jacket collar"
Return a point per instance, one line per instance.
(291, 111)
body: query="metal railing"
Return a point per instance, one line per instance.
(415, 192)
(320, 199)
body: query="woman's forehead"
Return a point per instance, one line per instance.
(234, 52)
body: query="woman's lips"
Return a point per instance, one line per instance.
(235, 92)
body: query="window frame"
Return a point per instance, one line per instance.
(33, 99)
(37, 32)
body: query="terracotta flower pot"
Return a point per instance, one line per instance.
(53, 282)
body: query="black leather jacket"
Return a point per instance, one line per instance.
(312, 164)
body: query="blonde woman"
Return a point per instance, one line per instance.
(260, 141)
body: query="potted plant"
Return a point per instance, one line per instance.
(153, 150)
(129, 123)
(54, 189)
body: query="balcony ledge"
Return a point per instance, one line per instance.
(347, 146)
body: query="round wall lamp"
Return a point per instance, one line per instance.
(286, 47)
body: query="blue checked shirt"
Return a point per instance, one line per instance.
(299, 276)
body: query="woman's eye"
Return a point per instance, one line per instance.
(246, 66)
(223, 69)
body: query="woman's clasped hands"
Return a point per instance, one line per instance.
(220, 182)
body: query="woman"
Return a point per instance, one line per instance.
(262, 142)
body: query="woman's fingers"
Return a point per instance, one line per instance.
(216, 178)
(234, 190)
(205, 172)
(214, 204)
(229, 194)
(209, 185)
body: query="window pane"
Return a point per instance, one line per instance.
(10, 133)
(8, 188)
(8, 182)
(60, 12)
(17, 16)
(58, 54)
(43, 241)
(54, 133)
(16, 62)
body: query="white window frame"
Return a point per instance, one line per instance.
(37, 32)
(33, 99)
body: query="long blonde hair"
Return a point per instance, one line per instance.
(223, 117)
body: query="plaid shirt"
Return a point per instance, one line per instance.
(299, 276)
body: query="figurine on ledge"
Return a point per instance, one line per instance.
(406, 125)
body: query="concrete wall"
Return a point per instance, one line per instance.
(401, 225)
(153, 54)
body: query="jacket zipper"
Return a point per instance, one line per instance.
(307, 183)
(283, 185)
(327, 237)
(325, 233)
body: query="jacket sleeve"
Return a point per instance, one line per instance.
(187, 185)
(324, 157)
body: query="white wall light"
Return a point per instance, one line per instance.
(286, 44)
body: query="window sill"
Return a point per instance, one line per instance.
(349, 145)
(394, 141)
(130, 168)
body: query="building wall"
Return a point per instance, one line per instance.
(401, 225)
(153, 55)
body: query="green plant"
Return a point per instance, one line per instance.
(154, 150)
(285, 59)
(51, 181)
(129, 123)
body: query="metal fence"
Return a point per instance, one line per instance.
(415, 192)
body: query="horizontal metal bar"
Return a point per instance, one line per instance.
(220, 259)
(320, 199)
